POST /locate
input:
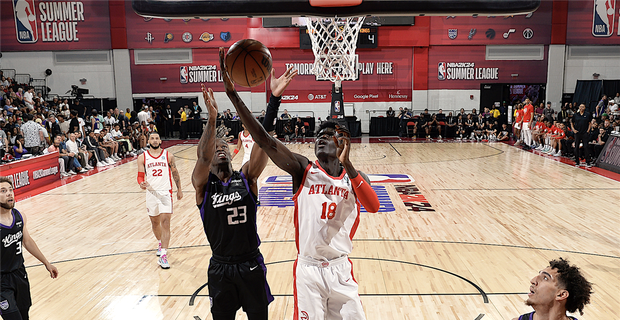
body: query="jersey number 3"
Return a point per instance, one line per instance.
(238, 214)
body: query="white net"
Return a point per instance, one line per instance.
(334, 41)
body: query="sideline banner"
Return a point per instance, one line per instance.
(593, 22)
(32, 173)
(466, 67)
(35, 25)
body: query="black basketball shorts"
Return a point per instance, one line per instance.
(15, 293)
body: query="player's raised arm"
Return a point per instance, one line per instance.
(206, 147)
(292, 163)
(361, 184)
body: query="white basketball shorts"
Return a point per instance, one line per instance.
(158, 202)
(518, 125)
(526, 126)
(326, 290)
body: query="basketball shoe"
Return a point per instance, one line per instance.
(163, 262)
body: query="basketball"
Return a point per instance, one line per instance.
(248, 62)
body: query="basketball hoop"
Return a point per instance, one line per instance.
(334, 41)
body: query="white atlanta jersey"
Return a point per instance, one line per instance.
(248, 144)
(158, 173)
(326, 215)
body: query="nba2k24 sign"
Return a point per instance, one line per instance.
(58, 20)
(200, 74)
(465, 71)
(604, 19)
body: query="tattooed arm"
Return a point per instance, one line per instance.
(175, 175)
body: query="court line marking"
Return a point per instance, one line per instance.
(518, 189)
(481, 292)
(354, 240)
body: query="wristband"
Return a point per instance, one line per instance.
(140, 177)
(236, 151)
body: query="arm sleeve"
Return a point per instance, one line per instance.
(365, 194)
(271, 113)
(140, 177)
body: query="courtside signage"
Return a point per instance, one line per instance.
(465, 71)
(59, 20)
(200, 74)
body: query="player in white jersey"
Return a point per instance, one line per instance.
(156, 169)
(326, 194)
(244, 140)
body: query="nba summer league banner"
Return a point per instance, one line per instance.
(593, 22)
(33, 25)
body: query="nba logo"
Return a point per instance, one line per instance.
(603, 21)
(441, 71)
(183, 74)
(25, 14)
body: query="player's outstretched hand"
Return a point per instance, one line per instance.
(343, 140)
(52, 270)
(278, 85)
(209, 100)
(228, 84)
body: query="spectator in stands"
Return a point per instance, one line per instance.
(450, 122)
(433, 124)
(77, 151)
(556, 140)
(285, 115)
(504, 133)
(196, 110)
(540, 109)
(128, 114)
(288, 131)
(110, 145)
(470, 126)
(96, 121)
(33, 137)
(223, 132)
(8, 106)
(109, 120)
(581, 126)
(168, 118)
(460, 127)
(491, 130)
(80, 108)
(92, 144)
(4, 141)
(18, 149)
(423, 123)
(390, 113)
(62, 124)
(548, 112)
(5, 82)
(300, 129)
(143, 115)
(29, 98)
(600, 107)
(73, 157)
(123, 140)
(52, 127)
(152, 127)
(183, 121)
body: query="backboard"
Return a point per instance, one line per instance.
(290, 8)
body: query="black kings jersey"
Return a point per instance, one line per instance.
(12, 236)
(228, 215)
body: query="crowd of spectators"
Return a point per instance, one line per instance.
(83, 138)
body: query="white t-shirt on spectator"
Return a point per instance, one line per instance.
(110, 121)
(116, 134)
(82, 124)
(28, 99)
(72, 146)
(143, 116)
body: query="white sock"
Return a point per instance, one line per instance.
(163, 251)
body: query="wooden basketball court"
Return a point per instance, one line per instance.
(490, 217)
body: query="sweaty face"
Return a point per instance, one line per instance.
(222, 153)
(544, 288)
(326, 142)
(7, 200)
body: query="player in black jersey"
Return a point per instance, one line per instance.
(556, 289)
(227, 200)
(15, 289)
